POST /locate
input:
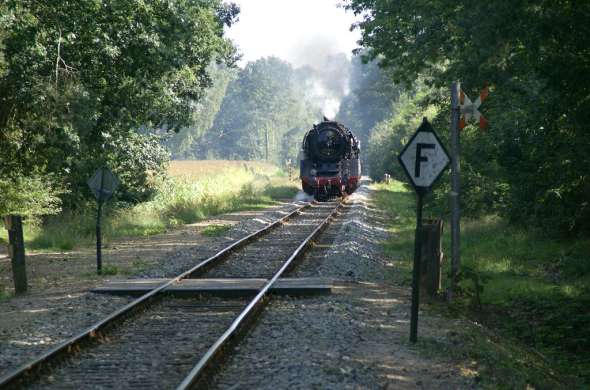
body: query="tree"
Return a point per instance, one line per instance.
(260, 107)
(79, 78)
(531, 163)
(371, 98)
(186, 143)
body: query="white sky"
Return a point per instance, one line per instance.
(297, 31)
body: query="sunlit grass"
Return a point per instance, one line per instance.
(196, 190)
(535, 287)
(215, 230)
(199, 169)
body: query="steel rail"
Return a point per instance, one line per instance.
(203, 370)
(93, 333)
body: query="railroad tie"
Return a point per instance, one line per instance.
(219, 287)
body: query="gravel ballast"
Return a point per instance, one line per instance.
(59, 305)
(356, 338)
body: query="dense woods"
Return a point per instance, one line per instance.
(530, 164)
(525, 180)
(83, 82)
(89, 83)
(132, 84)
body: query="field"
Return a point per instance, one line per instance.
(193, 191)
(533, 290)
(205, 168)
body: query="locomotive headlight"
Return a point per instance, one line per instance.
(313, 172)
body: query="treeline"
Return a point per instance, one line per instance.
(531, 163)
(256, 113)
(84, 84)
(261, 112)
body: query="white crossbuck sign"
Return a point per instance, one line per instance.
(424, 157)
(470, 110)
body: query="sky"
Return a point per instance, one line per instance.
(298, 31)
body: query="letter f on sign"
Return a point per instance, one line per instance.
(420, 158)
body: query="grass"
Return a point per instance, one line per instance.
(4, 293)
(215, 230)
(535, 289)
(195, 191)
(110, 270)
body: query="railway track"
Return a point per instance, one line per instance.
(160, 341)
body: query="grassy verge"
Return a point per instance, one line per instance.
(196, 190)
(534, 301)
(215, 230)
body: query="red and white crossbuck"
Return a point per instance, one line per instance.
(470, 110)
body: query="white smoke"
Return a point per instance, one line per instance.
(327, 71)
(303, 197)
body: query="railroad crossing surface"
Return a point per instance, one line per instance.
(350, 332)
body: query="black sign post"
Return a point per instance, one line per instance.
(103, 184)
(424, 159)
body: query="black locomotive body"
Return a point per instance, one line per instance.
(329, 161)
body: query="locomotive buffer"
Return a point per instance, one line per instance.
(424, 159)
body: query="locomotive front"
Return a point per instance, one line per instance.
(329, 161)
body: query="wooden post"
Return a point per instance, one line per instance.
(455, 188)
(16, 248)
(431, 256)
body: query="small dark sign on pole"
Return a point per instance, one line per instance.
(424, 159)
(103, 184)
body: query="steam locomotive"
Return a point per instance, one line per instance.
(329, 161)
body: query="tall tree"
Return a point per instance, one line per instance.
(78, 78)
(260, 107)
(186, 143)
(371, 98)
(534, 56)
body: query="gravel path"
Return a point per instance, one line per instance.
(154, 351)
(355, 338)
(59, 304)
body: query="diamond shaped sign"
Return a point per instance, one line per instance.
(103, 184)
(424, 158)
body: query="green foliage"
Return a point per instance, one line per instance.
(215, 230)
(140, 163)
(263, 106)
(78, 79)
(282, 191)
(530, 164)
(29, 196)
(492, 360)
(470, 284)
(531, 288)
(372, 92)
(390, 135)
(186, 143)
(110, 270)
(178, 200)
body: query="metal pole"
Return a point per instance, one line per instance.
(416, 270)
(455, 188)
(98, 240)
(98, 232)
